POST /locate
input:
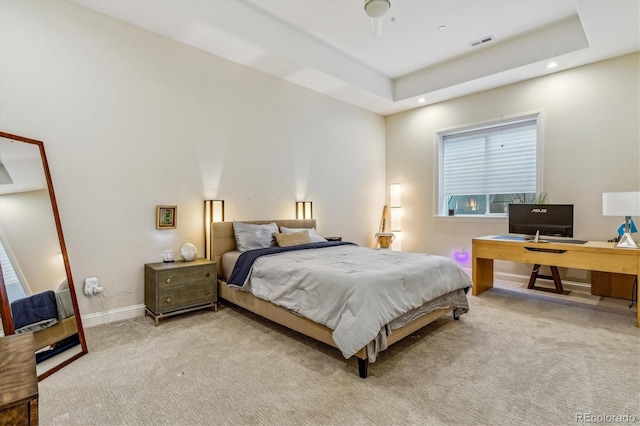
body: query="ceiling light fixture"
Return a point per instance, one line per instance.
(421, 100)
(376, 9)
(552, 64)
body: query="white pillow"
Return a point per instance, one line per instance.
(315, 238)
(250, 236)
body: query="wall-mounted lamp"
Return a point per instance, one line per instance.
(622, 204)
(395, 197)
(304, 210)
(213, 212)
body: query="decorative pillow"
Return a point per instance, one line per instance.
(315, 238)
(250, 236)
(292, 239)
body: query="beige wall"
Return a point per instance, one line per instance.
(131, 120)
(591, 144)
(29, 230)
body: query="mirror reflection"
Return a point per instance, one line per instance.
(36, 291)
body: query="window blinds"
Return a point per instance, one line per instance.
(11, 281)
(494, 160)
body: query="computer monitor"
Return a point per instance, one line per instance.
(554, 220)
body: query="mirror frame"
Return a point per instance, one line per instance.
(5, 308)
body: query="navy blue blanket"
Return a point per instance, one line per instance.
(59, 347)
(39, 308)
(245, 260)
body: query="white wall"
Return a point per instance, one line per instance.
(131, 120)
(590, 119)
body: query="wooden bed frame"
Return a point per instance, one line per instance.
(48, 336)
(223, 240)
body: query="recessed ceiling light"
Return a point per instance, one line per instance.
(422, 100)
(552, 64)
(442, 27)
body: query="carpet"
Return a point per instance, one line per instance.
(518, 357)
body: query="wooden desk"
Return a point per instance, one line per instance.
(18, 381)
(593, 255)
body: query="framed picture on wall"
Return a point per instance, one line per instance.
(166, 217)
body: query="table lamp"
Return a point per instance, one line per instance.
(622, 204)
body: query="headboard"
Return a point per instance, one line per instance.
(224, 240)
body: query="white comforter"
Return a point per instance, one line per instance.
(353, 290)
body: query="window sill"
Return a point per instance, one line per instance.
(471, 219)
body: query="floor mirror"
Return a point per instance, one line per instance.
(37, 294)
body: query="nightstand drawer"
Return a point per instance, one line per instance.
(175, 278)
(186, 296)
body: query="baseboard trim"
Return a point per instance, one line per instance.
(119, 314)
(130, 312)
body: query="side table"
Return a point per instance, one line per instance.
(18, 380)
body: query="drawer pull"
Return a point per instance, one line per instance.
(206, 293)
(168, 300)
(208, 275)
(168, 280)
(545, 250)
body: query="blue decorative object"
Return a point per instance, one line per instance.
(632, 227)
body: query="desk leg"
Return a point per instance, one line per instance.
(482, 275)
(636, 288)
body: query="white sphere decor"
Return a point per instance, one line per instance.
(188, 252)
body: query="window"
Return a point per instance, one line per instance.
(12, 283)
(484, 169)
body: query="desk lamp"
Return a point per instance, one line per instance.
(622, 204)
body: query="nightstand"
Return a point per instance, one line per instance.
(333, 238)
(174, 288)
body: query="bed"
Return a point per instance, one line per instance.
(49, 315)
(379, 321)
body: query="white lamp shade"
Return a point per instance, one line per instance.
(395, 195)
(621, 204)
(396, 219)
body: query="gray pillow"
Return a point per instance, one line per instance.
(315, 238)
(250, 236)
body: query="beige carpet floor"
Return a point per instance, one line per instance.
(519, 357)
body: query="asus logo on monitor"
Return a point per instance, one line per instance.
(538, 210)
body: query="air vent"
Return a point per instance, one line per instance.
(483, 40)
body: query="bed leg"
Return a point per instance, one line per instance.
(456, 315)
(363, 367)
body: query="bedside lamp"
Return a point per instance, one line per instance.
(622, 204)
(304, 210)
(395, 192)
(213, 212)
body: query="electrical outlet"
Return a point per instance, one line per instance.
(91, 287)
